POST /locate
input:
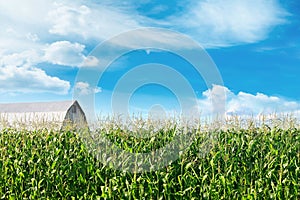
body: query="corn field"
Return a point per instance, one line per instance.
(253, 163)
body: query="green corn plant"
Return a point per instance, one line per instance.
(236, 161)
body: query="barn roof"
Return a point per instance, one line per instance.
(61, 106)
(34, 115)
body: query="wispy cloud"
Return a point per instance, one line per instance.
(213, 23)
(58, 32)
(220, 23)
(91, 21)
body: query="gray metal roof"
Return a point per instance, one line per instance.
(60, 106)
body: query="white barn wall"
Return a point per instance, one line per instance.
(51, 115)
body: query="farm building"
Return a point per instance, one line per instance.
(51, 115)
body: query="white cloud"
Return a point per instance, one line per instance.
(27, 79)
(65, 53)
(245, 104)
(214, 23)
(83, 88)
(90, 61)
(231, 22)
(18, 59)
(215, 100)
(23, 24)
(18, 75)
(90, 20)
(33, 37)
(29, 12)
(28, 27)
(154, 39)
(60, 52)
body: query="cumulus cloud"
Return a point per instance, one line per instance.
(244, 104)
(63, 30)
(27, 79)
(18, 74)
(18, 71)
(83, 88)
(65, 53)
(213, 101)
(60, 52)
(90, 61)
(28, 56)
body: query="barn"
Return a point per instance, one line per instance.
(37, 115)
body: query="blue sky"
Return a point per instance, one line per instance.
(254, 44)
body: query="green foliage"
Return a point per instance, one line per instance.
(257, 163)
